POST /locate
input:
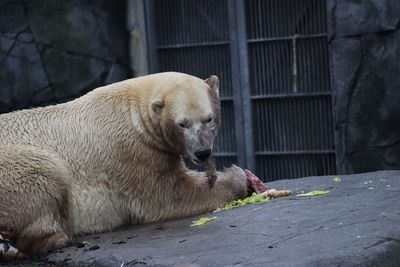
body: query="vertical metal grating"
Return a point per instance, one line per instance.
(285, 18)
(273, 63)
(290, 88)
(200, 61)
(193, 37)
(190, 22)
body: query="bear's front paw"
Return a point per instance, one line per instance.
(235, 181)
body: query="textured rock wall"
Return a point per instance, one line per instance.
(365, 49)
(53, 51)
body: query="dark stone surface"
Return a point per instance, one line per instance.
(365, 74)
(12, 17)
(352, 17)
(53, 51)
(83, 73)
(21, 74)
(357, 224)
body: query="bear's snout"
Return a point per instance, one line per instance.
(203, 155)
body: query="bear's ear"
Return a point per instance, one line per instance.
(157, 106)
(213, 82)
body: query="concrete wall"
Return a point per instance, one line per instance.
(53, 51)
(136, 25)
(365, 67)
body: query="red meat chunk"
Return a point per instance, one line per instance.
(255, 183)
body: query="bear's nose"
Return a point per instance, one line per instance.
(203, 155)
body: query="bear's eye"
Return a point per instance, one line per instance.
(183, 124)
(209, 120)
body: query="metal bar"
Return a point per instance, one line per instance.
(294, 152)
(150, 35)
(190, 45)
(245, 84)
(236, 84)
(224, 154)
(272, 39)
(240, 53)
(275, 96)
(294, 64)
(339, 145)
(226, 98)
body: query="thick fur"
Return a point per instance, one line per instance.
(110, 158)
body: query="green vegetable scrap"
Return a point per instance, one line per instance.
(314, 193)
(203, 220)
(337, 180)
(253, 199)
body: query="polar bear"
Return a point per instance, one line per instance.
(110, 158)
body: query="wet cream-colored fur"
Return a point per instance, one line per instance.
(110, 158)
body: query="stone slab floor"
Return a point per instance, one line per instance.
(356, 224)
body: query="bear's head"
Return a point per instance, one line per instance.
(188, 111)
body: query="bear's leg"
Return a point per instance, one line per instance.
(33, 200)
(35, 245)
(191, 194)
